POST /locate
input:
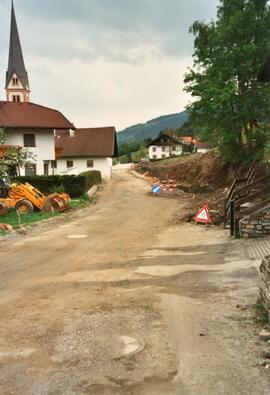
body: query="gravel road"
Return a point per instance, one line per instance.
(117, 300)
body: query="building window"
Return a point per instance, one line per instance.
(90, 163)
(163, 149)
(174, 148)
(154, 149)
(69, 164)
(29, 140)
(16, 98)
(30, 169)
(53, 164)
(46, 168)
(15, 81)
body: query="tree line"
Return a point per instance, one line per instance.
(230, 107)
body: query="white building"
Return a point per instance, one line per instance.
(26, 124)
(37, 128)
(86, 149)
(166, 146)
(33, 126)
(202, 147)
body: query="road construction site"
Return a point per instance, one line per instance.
(122, 299)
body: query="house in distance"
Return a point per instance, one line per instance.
(166, 146)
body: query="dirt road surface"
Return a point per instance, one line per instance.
(119, 300)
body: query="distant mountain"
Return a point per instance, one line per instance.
(151, 129)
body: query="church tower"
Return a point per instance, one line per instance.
(17, 84)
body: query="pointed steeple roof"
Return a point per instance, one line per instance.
(15, 61)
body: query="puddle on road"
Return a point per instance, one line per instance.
(22, 353)
(168, 270)
(164, 252)
(77, 236)
(109, 275)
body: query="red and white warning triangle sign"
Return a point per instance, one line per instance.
(203, 215)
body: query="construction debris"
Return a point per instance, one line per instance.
(6, 228)
(195, 179)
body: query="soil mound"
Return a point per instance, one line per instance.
(201, 177)
(196, 173)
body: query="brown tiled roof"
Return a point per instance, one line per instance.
(187, 139)
(165, 140)
(88, 142)
(202, 145)
(30, 115)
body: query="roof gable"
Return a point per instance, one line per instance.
(100, 142)
(30, 115)
(164, 139)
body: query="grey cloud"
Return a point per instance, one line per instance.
(114, 30)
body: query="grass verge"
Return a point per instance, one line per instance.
(27, 219)
(262, 314)
(80, 202)
(12, 219)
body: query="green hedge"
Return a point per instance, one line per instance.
(73, 185)
(93, 177)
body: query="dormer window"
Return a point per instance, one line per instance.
(16, 98)
(15, 81)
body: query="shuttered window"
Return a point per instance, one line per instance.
(29, 140)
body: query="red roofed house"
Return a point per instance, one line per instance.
(33, 126)
(46, 132)
(187, 139)
(201, 147)
(86, 149)
(26, 124)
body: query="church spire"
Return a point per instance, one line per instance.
(17, 84)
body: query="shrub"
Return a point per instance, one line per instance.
(57, 189)
(73, 185)
(93, 177)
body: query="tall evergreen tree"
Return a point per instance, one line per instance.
(230, 105)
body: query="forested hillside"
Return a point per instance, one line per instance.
(151, 129)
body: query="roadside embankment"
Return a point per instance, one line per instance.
(201, 178)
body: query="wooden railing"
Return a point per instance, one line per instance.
(231, 193)
(245, 190)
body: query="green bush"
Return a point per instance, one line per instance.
(93, 177)
(73, 185)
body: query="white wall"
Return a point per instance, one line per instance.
(45, 146)
(104, 165)
(157, 152)
(202, 150)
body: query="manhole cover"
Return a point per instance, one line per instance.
(116, 346)
(130, 346)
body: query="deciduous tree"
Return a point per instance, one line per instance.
(230, 105)
(13, 158)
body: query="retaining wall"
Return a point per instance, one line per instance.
(264, 285)
(256, 224)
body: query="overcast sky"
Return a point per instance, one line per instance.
(105, 62)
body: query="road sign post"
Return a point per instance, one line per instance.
(203, 215)
(156, 189)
